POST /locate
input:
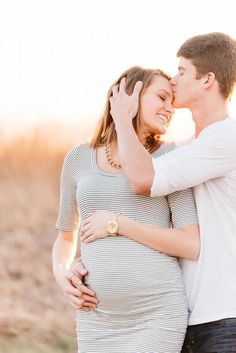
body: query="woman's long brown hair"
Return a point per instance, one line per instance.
(105, 132)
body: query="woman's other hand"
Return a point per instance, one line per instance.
(71, 284)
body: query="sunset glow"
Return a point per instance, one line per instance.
(60, 57)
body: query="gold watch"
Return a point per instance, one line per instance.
(112, 226)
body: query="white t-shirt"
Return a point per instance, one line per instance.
(209, 164)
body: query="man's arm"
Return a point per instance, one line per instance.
(210, 156)
(135, 159)
(183, 241)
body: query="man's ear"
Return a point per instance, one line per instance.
(209, 79)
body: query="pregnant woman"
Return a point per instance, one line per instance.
(142, 305)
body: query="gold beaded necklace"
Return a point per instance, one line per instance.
(109, 155)
(110, 159)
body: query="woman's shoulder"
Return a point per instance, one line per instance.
(77, 153)
(78, 150)
(164, 148)
(78, 158)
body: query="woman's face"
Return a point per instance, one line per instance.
(156, 107)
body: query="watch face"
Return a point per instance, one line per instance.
(112, 227)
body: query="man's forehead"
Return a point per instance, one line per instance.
(181, 67)
(184, 63)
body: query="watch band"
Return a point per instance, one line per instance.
(113, 223)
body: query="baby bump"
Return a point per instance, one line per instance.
(127, 275)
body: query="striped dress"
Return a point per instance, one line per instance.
(142, 306)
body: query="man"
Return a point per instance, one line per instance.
(206, 77)
(207, 74)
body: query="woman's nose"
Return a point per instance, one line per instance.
(169, 108)
(173, 81)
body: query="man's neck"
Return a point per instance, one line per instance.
(209, 114)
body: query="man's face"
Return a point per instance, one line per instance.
(186, 87)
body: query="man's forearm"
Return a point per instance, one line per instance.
(179, 242)
(135, 159)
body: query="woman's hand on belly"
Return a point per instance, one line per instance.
(94, 227)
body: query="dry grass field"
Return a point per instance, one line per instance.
(34, 315)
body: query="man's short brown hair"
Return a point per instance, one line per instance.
(213, 52)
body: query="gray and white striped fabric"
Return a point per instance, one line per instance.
(143, 306)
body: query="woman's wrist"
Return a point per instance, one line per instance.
(122, 224)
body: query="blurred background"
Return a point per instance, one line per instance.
(58, 59)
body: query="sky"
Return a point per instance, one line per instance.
(59, 57)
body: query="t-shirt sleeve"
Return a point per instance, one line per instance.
(68, 217)
(210, 156)
(183, 208)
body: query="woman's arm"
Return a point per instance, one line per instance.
(69, 273)
(64, 250)
(63, 253)
(181, 242)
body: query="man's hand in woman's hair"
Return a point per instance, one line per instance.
(124, 107)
